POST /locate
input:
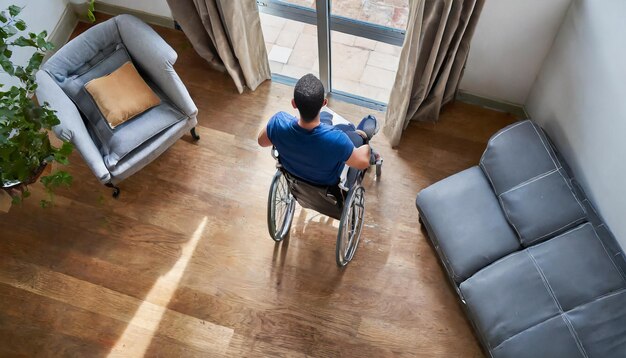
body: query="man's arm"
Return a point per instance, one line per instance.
(360, 158)
(263, 139)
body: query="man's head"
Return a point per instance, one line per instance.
(308, 97)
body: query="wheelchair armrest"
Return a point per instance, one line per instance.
(343, 178)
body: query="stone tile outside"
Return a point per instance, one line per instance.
(360, 66)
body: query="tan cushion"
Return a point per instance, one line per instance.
(122, 95)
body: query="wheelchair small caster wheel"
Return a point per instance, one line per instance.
(379, 168)
(116, 190)
(194, 135)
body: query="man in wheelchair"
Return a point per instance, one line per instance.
(314, 153)
(311, 147)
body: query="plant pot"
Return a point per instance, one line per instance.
(80, 7)
(15, 184)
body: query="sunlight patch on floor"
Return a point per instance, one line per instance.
(138, 335)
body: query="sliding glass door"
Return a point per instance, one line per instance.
(351, 45)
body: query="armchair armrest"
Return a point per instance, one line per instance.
(157, 58)
(72, 128)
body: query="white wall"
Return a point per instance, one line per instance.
(39, 15)
(580, 99)
(511, 41)
(155, 7)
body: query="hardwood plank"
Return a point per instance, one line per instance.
(196, 333)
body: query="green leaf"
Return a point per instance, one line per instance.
(14, 10)
(35, 60)
(91, 16)
(56, 179)
(41, 42)
(66, 148)
(61, 159)
(10, 30)
(3, 17)
(21, 25)
(24, 42)
(7, 66)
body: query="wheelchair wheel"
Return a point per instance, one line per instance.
(280, 207)
(350, 225)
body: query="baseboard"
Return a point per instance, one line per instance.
(144, 16)
(517, 110)
(63, 29)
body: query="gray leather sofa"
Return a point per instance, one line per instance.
(537, 271)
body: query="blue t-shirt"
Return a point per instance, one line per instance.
(316, 155)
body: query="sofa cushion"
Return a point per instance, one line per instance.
(141, 130)
(465, 223)
(74, 87)
(577, 267)
(524, 289)
(542, 207)
(516, 154)
(508, 297)
(151, 149)
(551, 338)
(531, 183)
(83, 52)
(601, 326)
(121, 95)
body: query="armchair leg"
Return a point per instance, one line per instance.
(116, 190)
(194, 134)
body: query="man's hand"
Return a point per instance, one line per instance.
(360, 158)
(263, 139)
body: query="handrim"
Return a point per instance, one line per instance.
(350, 226)
(280, 208)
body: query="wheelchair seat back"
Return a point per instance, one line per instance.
(327, 200)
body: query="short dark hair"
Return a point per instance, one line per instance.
(309, 97)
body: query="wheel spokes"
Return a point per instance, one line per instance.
(283, 202)
(354, 224)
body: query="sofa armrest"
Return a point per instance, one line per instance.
(72, 128)
(157, 58)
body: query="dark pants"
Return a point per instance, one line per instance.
(350, 131)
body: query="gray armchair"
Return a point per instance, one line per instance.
(115, 154)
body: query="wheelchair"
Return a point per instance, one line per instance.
(344, 202)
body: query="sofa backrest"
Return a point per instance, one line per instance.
(533, 188)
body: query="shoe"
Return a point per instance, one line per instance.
(369, 125)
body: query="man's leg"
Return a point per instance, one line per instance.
(368, 125)
(358, 141)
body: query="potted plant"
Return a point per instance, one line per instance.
(25, 147)
(84, 9)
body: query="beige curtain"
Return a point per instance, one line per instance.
(228, 35)
(433, 57)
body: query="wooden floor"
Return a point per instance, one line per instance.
(182, 265)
